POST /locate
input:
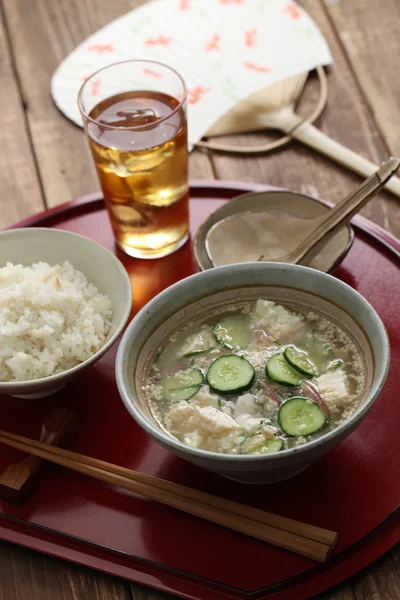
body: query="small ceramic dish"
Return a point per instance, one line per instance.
(202, 294)
(291, 203)
(103, 269)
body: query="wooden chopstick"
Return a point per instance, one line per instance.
(309, 531)
(227, 513)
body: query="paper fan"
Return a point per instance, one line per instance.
(226, 50)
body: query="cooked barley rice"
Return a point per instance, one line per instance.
(51, 319)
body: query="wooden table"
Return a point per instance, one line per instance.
(45, 161)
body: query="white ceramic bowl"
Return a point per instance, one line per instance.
(103, 269)
(200, 294)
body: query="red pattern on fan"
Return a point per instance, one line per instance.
(250, 38)
(161, 40)
(95, 88)
(195, 95)
(254, 67)
(292, 10)
(213, 43)
(101, 48)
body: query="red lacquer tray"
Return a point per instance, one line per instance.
(354, 490)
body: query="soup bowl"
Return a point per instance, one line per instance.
(202, 294)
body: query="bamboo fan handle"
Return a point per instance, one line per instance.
(293, 121)
(313, 137)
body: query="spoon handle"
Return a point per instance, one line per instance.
(345, 209)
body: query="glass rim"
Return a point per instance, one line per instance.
(86, 116)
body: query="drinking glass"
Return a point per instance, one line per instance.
(134, 115)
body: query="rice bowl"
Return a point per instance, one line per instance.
(98, 330)
(51, 319)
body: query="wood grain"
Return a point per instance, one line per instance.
(27, 575)
(20, 191)
(381, 580)
(369, 32)
(363, 113)
(341, 592)
(65, 164)
(346, 119)
(139, 592)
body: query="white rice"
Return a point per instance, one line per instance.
(51, 319)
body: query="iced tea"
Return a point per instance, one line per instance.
(139, 144)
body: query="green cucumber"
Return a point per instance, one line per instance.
(182, 385)
(334, 365)
(327, 350)
(273, 445)
(301, 416)
(195, 353)
(257, 444)
(230, 374)
(232, 332)
(278, 369)
(298, 359)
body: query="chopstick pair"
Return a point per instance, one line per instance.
(301, 538)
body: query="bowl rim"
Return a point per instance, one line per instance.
(213, 219)
(127, 341)
(8, 386)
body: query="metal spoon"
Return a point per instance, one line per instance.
(286, 238)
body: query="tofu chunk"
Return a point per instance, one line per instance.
(205, 398)
(251, 425)
(276, 320)
(245, 404)
(181, 417)
(333, 387)
(194, 439)
(214, 421)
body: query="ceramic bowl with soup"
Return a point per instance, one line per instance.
(253, 371)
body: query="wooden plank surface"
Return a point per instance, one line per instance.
(381, 580)
(341, 592)
(20, 191)
(347, 119)
(64, 162)
(369, 33)
(363, 105)
(26, 575)
(139, 592)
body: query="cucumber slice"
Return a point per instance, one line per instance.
(273, 445)
(257, 444)
(182, 385)
(280, 371)
(230, 374)
(195, 353)
(299, 360)
(232, 332)
(301, 416)
(335, 365)
(179, 394)
(327, 350)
